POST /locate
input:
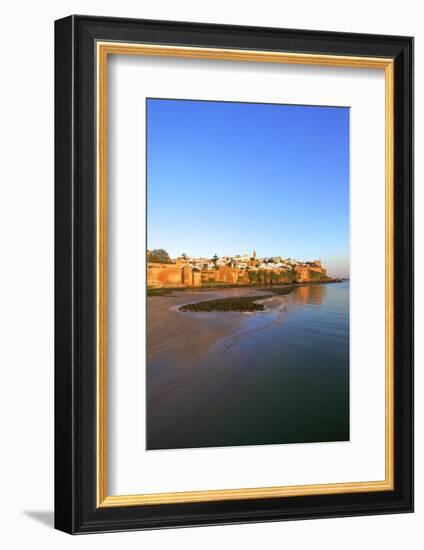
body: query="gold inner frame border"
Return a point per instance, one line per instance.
(103, 50)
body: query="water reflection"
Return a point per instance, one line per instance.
(286, 300)
(310, 294)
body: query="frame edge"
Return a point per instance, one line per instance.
(64, 448)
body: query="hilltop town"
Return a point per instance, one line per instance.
(185, 271)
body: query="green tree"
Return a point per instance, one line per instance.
(158, 256)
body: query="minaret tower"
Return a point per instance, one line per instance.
(254, 254)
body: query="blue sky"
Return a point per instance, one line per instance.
(227, 178)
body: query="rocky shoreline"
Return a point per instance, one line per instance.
(167, 291)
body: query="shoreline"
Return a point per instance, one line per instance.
(166, 291)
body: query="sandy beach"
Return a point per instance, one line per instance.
(167, 328)
(177, 342)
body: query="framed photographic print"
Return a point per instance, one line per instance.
(234, 271)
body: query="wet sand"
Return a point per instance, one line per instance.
(167, 327)
(176, 344)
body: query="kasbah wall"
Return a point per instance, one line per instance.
(172, 276)
(181, 275)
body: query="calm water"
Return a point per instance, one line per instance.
(282, 376)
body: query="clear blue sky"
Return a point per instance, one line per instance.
(227, 178)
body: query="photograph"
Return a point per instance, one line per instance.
(247, 273)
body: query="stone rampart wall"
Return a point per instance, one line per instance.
(182, 275)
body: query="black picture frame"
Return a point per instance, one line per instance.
(76, 510)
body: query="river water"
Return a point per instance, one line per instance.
(280, 376)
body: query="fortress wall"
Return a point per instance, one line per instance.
(197, 278)
(207, 275)
(303, 274)
(322, 271)
(227, 275)
(187, 276)
(181, 275)
(164, 275)
(172, 275)
(307, 274)
(243, 277)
